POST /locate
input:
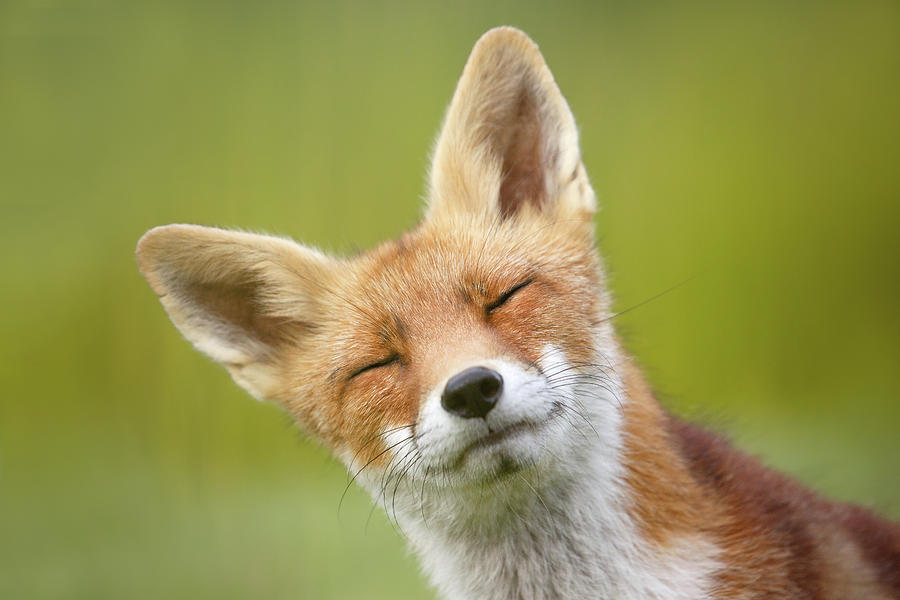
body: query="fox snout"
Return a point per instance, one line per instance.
(497, 416)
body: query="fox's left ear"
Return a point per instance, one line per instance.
(509, 142)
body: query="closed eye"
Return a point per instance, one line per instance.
(505, 296)
(381, 363)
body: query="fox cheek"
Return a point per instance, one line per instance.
(367, 415)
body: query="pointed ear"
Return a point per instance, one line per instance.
(509, 141)
(242, 299)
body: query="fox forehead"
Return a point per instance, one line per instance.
(431, 278)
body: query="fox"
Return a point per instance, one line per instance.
(469, 377)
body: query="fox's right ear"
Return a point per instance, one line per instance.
(509, 143)
(243, 299)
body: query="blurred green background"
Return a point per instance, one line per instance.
(751, 149)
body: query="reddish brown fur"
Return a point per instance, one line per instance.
(778, 539)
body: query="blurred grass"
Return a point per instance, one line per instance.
(750, 148)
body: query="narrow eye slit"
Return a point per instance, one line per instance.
(381, 363)
(505, 296)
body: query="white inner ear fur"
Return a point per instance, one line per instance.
(509, 140)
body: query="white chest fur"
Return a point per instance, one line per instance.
(572, 543)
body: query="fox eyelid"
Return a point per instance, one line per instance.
(381, 363)
(505, 296)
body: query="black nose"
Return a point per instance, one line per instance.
(472, 393)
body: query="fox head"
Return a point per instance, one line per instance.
(472, 355)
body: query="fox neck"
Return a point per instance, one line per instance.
(575, 534)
